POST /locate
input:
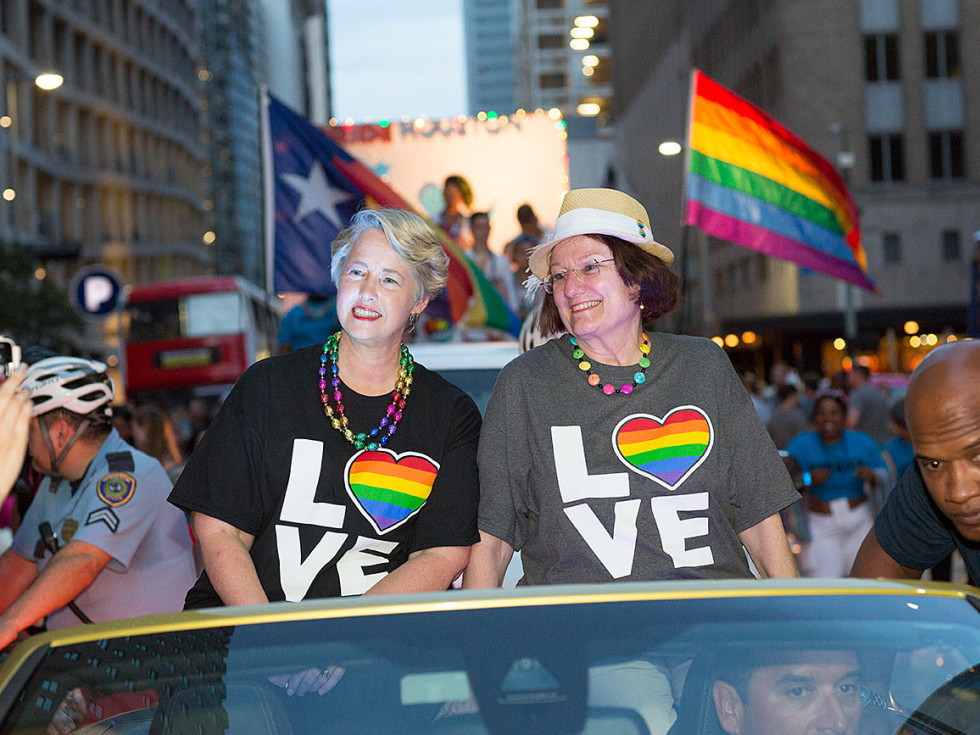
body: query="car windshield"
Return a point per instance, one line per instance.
(597, 667)
(478, 383)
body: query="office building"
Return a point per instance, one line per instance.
(106, 168)
(490, 30)
(882, 88)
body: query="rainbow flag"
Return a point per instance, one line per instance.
(314, 186)
(753, 182)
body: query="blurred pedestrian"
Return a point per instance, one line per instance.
(596, 444)
(301, 488)
(494, 266)
(195, 419)
(122, 421)
(898, 450)
(308, 323)
(518, 250)
(755, 388)
(458, 196)
(841, 468)
(836, 382)
(531, 233)
(99, 541)
(154, 435)
(867, 408)
(779, 374)
(935, 508)
(810, 386)
(789, 419)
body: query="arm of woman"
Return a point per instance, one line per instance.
(428, 570)
(15, 419)
(224, 550)
(767, 545)
(488, 563)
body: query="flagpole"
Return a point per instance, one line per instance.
(844, 162)
(268, 188)
(686, 296)
(973, 322)
(684, 321)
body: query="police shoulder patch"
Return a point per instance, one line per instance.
(116, 488)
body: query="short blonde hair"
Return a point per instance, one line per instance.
(410, 237)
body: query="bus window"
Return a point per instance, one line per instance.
(213, 313)
(152, 320)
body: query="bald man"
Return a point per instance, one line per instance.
(936, 506)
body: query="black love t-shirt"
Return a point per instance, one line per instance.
(330, 520)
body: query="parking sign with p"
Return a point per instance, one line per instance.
(97, 291)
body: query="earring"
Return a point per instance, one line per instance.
(413, 319)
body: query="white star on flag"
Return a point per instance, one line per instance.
(316, 195)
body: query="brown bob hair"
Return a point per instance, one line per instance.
(659, 286)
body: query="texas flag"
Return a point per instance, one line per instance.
(310, 198)
(312, 189)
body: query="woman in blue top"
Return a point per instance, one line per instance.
(840, 468)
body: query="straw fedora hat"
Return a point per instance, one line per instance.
(599, 212)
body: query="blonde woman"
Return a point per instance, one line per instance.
(343, 468)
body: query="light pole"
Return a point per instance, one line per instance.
(845, 162)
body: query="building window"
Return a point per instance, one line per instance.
(887, 157)
(891, 244)
(942, 55)
(951, 245)
(947, 159)
(881, 57)
(550, 40)
(553, 81)
(745, 273)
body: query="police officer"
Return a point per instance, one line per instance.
(99, 542)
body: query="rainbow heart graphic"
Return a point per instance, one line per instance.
(389, 488)
(666, 449)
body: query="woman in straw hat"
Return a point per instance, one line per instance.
(618, 453)
(342, 468)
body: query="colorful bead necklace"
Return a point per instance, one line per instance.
(381, 435)
(626, 388)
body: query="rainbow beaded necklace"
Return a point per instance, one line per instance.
(626, 388)
(381, 435)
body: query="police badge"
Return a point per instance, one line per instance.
(68, 528)
(116, 489)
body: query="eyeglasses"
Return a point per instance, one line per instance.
(585, 274)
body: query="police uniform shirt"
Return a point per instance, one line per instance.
(120, 506)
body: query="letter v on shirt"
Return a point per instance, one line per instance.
(296, 574)
(616, 551)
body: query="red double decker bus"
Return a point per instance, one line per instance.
(195, 334)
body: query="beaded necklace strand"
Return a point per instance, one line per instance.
(626, 388)
(381, 435)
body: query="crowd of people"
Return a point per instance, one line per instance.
(470, 230)
(612, 452)
(848, 444)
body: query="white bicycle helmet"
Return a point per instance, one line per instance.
(72, 383)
